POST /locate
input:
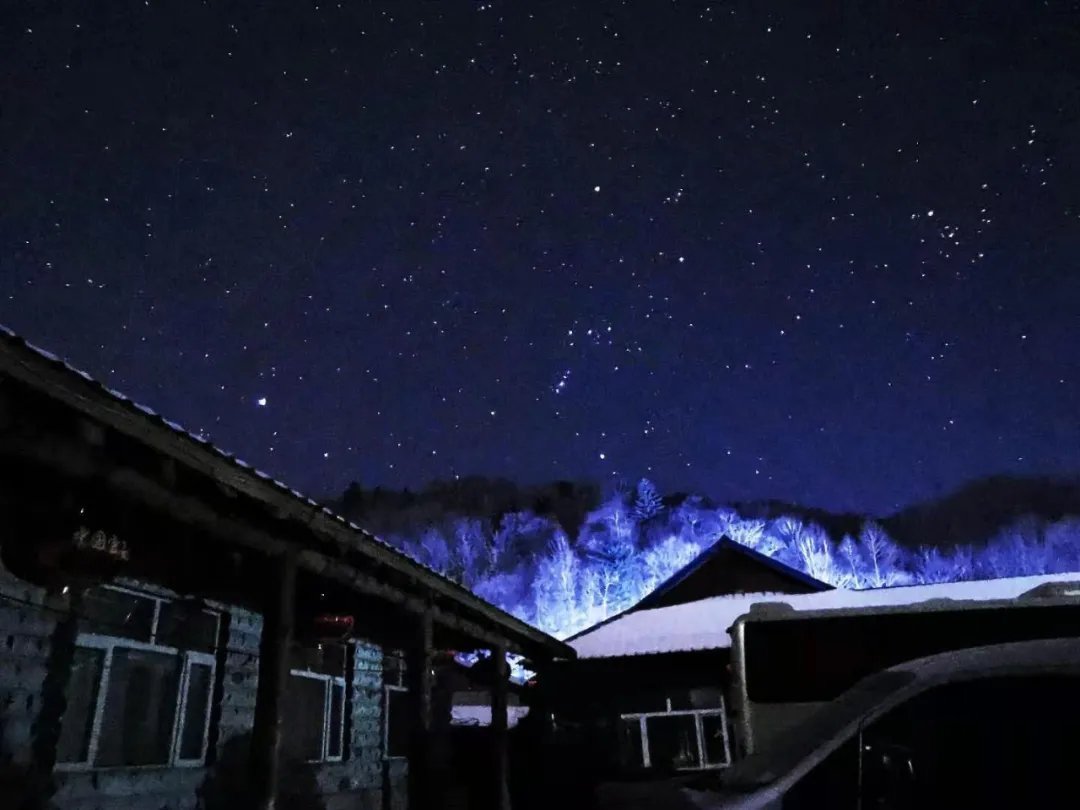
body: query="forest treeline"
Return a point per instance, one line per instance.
(563, 556)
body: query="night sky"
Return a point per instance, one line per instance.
(755, 250)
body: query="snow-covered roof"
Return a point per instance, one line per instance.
(703, 625)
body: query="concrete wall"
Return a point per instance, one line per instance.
(35, 644)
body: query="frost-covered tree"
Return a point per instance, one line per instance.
(556, 589)
(665, 558)
(815, 552)
(609, 543)
(511, 591)
(881, 557)
(852, 568)
(647, 501)
(434, 551)
(932, 566)
(750, 533)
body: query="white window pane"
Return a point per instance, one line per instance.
(305, 715)
(712, 731)
(82, 694)
(672, 741)
(140, 706)
(195, 711)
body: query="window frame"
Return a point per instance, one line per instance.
(399, 686)
(329, 682)
(108, 645)
(699, 732)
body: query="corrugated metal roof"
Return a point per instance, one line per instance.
(21, 343)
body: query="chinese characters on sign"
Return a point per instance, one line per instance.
(98, 541)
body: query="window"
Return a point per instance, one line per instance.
(396, 715)
(680, 739)
(994, 742)
(140, 684)
(315, 703)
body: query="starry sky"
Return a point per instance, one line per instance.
(823, 252)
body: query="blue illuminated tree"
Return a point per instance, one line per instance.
(647, 501)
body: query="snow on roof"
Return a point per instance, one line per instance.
(703, 625)
(983, 589)
(700, 625)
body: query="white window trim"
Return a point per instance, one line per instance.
(329, 681)
(699, 731)
(108, 645)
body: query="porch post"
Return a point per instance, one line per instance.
(418, 671)
(278, 613)
(500, 686)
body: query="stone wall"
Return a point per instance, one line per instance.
(37, 636)
(27, 625)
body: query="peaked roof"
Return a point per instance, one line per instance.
(712, 574)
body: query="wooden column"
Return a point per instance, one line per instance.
(500, 689)
(278, 618)
(423, 794)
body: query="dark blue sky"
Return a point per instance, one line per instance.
(758, 250)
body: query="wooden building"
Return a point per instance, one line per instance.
(179, 630)
(646, 693)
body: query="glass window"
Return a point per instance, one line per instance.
(132, 698)
(110, 612)
(196, 711)
(187, 626)
(672, 741)
(714, 738)
(394, 669)
(337, 719)
(676, 739)
(316, 703)
(81, 700)
(305, 718)
(396, 723)
(140, 705)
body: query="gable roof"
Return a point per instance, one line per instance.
(725, 568)
(51, 376)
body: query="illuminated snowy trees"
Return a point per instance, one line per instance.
(528, 564)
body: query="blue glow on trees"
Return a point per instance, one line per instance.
(527, 563)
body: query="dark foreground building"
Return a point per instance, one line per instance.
(178, 630)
